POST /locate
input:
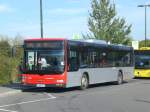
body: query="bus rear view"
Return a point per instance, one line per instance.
(44, 63)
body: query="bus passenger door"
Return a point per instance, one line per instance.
(73, 75)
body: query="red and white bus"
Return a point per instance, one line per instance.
(56, 62)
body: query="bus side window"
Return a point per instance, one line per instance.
(127, 59)
(73, 61)
(103, 59)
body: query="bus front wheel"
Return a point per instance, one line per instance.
(84, 82)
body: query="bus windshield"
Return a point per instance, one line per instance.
(142, 61)
(44, 61)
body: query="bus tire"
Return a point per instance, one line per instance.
(84, 82)
(119, 78)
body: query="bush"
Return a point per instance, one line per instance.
(8, 64)
(14, 69)
(8, 70)
(5, 70)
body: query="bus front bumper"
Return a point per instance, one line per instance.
(45, 85)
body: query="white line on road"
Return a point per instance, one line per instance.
(7, 110)
(49, 95)
(34, 101)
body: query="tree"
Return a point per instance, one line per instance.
(17, 44)
(5, 61)
(8, 64)
(105, 25)
(5, 48)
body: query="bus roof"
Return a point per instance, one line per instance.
(44, 39)
(92, 42)
(102, 44)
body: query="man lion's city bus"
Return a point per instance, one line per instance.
(66, 63)
(142, 62)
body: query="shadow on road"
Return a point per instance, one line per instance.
(18, 86)
(65, 90)
(142, 78)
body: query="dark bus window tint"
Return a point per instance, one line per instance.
(92, 58)
(83, 59)
(103, 59)
(111, 59)
(73, 60)
(123, 58)
(89, 58)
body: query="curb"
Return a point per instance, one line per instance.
(10, 93)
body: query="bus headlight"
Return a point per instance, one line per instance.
(23, 77)
(29, 78)
(60, 81)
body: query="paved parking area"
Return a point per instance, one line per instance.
(23, 99)
(129, 97)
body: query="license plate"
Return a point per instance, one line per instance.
(40, 85)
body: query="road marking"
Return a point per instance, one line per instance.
(34, 101)
(7, 110)
(49, 95)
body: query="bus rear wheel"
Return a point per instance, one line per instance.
(84, 82)
(120, 78)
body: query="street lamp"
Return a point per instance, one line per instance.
(145, 6)
(41, 18)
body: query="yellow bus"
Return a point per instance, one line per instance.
(142, 62)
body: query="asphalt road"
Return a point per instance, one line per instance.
(133, 96)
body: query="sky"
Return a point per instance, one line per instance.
(64, 18)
